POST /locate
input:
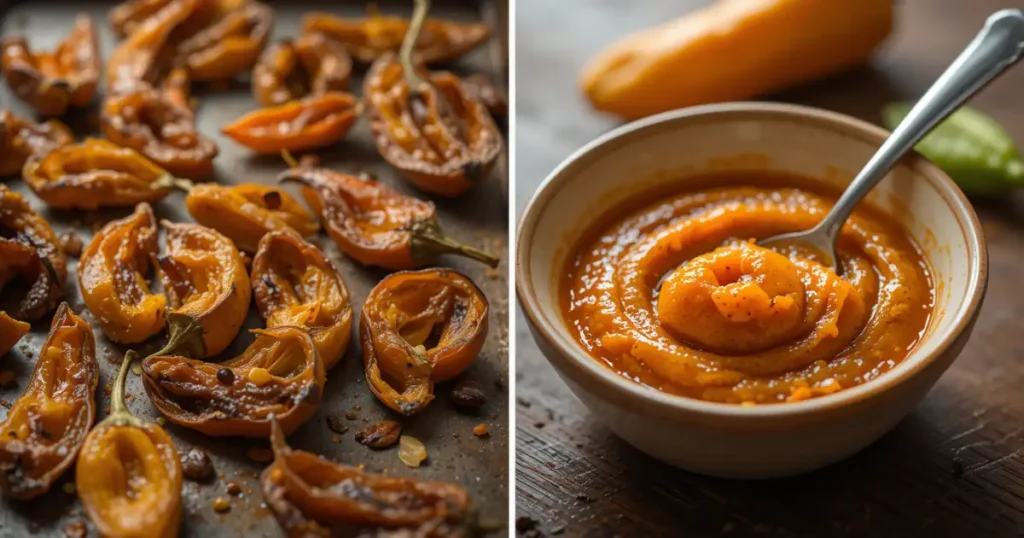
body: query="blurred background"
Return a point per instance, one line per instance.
(955, 467)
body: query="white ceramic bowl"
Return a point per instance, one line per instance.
(769, 440)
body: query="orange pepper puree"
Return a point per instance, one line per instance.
(675, 294)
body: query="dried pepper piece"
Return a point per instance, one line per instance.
(230, 44)
(21, 138)
(279, 375)
(11, 330)
(313, 122)
(155, 123)
(136, 63)
(127, 16)
(44, 429)
(245, 213)
(50, 82)
(207, 287)
(112, 278)
(312, 496)
(95, 173)
(438, 137)
(31, 251)
(370, 38)
(309, 65)
(418, 328)
(375, 224)
(480, 89)
(294, 283)
(128, 474)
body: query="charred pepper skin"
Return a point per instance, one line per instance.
(279, 375)
(294, 283)
(311, 496)
(30, 249)
(53, 81)
(375, 224)
(45, 427)
(112, 276)
(439, 137)
(401, 316)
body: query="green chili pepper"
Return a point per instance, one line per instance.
(969, 146)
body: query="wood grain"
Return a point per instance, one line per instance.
(955, 467)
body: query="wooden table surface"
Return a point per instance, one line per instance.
(954, 467)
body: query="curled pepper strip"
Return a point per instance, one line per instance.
(294, 283)
(112, 278)
(376, 225)
(417, 328)
(280, 375)
(11, 330)
(21, 138)
(51, 82)
(155, 124)
(230, 45)
(438, 137)
(127, 16)
(128, 474)
(370, 38)
(311, 496)
(29, 249)
(136, 62)
(309, 65)
(245, 213)
(95, 173)
(207, 287)
(44, 429)
(314, 122)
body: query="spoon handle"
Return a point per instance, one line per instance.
(999, 45)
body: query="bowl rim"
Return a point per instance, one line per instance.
(675, 406)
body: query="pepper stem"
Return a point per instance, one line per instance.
(405, 53)
(427, 241)
(183, 332)
(119, 413)
(167, 181)
(289, 159)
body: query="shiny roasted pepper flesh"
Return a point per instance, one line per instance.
(310, 65)
(377, 225)
(112, 275)
(294, 283)
(313, 496)
(313, 122)
(128, 474)
(280, 374)
(245, 213)
(11, 331)
(50, 82)
(45, 427)
(95, 173)
(21, 138)
(419, 327)
(231, 44)
(370, 38)
(31, 253)
(436, 135)
(207, 287)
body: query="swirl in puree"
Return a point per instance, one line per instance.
(675, 295)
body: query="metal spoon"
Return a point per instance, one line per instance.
(999, 45)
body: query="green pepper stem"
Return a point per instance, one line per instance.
(117, 405)
(289, 159)
(182, 332)
(428, 241)
(405, 53)
(167, 181)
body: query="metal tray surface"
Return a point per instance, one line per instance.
(478, 218)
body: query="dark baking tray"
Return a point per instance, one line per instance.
(478, 218)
